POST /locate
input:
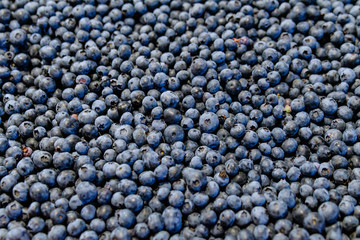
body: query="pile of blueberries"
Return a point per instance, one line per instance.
(172, 119)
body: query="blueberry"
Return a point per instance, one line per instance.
(39, 192)
(350, 223)
(346, 207)
(328, 105)
(208, 217)
(18, 233)
(20, 191)
(120, 233)
(36, 224)
(173, 133)
(277, 209)
(259, 215)
(227, 218)
(283, 226)
(133, 202)
(280, 236)
(13, 210)
(126, 218)
(162, 235)
(88, 235)
(97, 225)
(200, 199)
(246, 234)
(86, 191)
(4, 218)
(198, 66)
(314, 222)
(142, 230)
(18, 37)
(299, 233)
(261, 232)
(176, 198)
(289, 146)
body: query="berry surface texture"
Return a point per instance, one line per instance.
(179, 119)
